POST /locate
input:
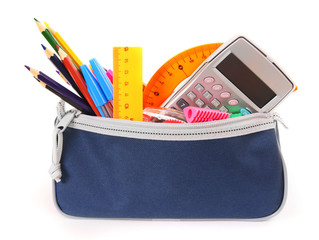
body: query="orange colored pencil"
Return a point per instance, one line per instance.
(77, 78)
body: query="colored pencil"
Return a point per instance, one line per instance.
(66, 60)
(47, 35)
(65, 46)
(60, 66)
(61, 91)
(64, 79)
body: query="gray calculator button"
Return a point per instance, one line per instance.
(199, 102)
(182, 103)
(199, 87)
(223, 109)
(207, 95)
(215, 102)
(191, 95)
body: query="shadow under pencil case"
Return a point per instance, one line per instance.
(111, 168)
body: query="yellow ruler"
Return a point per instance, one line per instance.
(127, 83)
(174, 71)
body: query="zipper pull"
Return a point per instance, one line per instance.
(55, 169)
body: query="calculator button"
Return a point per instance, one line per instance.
(225, 95)
(207, 95)
(199, 87)
(244, 111)
(182, 103)
(233, 102)
(207, 107)
(215, 102)
(191, 95)
(208, 80)
(217, 87)
(199, 102)
(223, 109)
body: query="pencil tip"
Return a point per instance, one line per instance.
(46, 24)
(43, 47)
(36, 20)
(27, 67)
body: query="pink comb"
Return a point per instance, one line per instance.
(195, 114)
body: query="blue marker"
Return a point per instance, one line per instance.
(96, 93)
(102, 78)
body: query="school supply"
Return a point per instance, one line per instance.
(95, 92)
(47, 35)
(195, 114)
(102, 79)
(77, 77)
(116, 169)
(64, 79)
(127, 83)
(109, 74)
(163, 115)
(61, 91)
(54, 59)
(111, 168)
(173, 72)
(65, 46)
(236, 76)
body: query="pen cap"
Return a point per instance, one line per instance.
(109, 74)
(102, 78)
(93, 87)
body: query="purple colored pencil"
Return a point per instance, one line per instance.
(68, 96)
(60, 66)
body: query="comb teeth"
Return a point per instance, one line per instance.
(173, 121)
(195, 114)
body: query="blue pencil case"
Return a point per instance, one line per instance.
(119, 169)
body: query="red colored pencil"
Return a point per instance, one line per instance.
(77, 78)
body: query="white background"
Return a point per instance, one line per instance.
(287, 30)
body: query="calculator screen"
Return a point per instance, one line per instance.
(245, 80)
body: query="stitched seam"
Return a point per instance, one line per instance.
(176, 134)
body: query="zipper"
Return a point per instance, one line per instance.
(176, 131)
(100, 122)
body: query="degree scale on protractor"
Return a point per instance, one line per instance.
(173, 72)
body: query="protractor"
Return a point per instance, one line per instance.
(174, 71)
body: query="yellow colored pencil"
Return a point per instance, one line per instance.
(65, 46)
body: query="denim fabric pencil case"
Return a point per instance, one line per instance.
(119, 169)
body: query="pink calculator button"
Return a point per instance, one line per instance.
(233, 102)
(217, 87)
(209, 80)
(225, 95)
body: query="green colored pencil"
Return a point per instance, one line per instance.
(47, 35)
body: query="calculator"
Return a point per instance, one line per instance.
(237, 78)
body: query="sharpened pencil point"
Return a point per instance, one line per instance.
(36, 20)
(43, 47)
(46, 24)
(27, 67)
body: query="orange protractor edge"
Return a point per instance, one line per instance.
(174, 71)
